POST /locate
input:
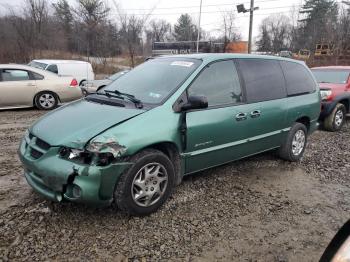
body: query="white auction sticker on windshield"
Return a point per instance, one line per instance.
(182, 63)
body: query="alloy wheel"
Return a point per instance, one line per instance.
(47, 100)
(149, 184)
(298, 142)
(339, 118)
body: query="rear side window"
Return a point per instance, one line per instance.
(52, 68)
(37, 76)
(219, 83)
(298, 79)
(14, 75)
(263, 79)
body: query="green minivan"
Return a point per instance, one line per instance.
(133, 141)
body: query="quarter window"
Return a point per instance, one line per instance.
(263, 79)
(52, 68)
(37, 76)
(298, 79)
(219, 83)
(14, 75)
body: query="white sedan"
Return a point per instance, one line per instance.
(24, 86)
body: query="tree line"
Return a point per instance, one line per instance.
(315, 22)
(89, 28)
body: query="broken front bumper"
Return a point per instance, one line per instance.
(59, 179)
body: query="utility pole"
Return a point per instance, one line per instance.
(241, 9)
(250, 26)
(199, 25)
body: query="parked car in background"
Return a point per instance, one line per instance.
(24, 86)
(80, 70)
(286, 54)
(92, 86)
(334, 82)
(303, 54)
(135, 139)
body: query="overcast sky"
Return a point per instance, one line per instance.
(211, 10)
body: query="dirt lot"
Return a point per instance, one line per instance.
(258, 209)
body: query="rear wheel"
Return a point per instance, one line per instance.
(146, 185)
(46, 100)
(294, 146)
(336, 119)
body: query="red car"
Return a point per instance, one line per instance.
(334, 84)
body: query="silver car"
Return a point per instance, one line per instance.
(92, 86)
(24, 86)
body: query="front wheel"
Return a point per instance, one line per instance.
(336, 119)
(294, 146)
(146, 185)
(46, 100)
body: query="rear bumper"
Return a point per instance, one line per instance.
(58, 179)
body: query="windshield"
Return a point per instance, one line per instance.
(38, 65)
(154, 80)
(331, 76)
(117, 75)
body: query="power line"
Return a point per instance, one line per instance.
(208, 12)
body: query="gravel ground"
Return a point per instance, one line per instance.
(257, 209)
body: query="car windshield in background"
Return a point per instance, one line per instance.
(154, 80)
(38, 65)
(331, 76)
(117, 75)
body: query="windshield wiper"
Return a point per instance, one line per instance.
(108, 95)
(130, 97)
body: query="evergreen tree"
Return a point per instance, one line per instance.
(319, 22)
(264, 42)
(185, 30)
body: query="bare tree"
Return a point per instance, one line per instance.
(229, 30)
(131, 30)
(274, 34)
(93, 14)
(159, 30)
(131, 34)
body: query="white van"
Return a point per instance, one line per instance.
(80, 70)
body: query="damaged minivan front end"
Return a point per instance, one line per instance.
(76, 161)
(77, 175)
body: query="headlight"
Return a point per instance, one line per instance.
(326, 94)
(86, 157)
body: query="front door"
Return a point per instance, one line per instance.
(214, 133)
(16, 88)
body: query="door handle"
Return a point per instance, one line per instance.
(255, 113)
(241, 116)
(30, 84)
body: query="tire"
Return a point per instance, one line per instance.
(82, 82)
(46, 100)
(84, 91)
(335, 121)
(134, 192)
(289, 150)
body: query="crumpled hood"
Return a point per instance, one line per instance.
(75, 124)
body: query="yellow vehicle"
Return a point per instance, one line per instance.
(323, 50)
(303, 54)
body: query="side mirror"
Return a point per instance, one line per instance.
(195, 102)
(339, 248)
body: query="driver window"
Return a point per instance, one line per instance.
(219, 83)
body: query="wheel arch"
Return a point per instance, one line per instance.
(346, 103)
(82, 81)
(305, 120)
(172, 151)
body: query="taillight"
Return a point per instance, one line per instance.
(74, 83)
